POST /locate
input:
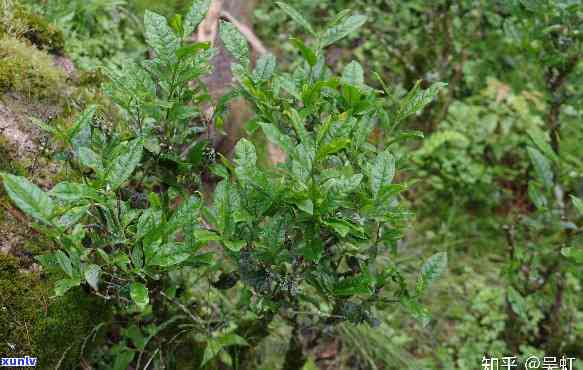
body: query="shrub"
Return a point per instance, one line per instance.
(313, 240)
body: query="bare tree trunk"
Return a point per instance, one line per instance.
(238, 12)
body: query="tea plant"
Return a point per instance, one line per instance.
(312, 241)
(545, 255)
(322, 223)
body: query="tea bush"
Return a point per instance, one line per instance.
(312, 241)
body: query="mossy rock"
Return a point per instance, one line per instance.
(19, 21)
(33, 324)
(27, 70)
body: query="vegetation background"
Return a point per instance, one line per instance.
(498, 176)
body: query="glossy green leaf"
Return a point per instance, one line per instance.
(195, 15)
(308, 54)
(71, 192)
(353, 74)
(73, 216)
(265, 68)
(573, 253)
(245, 153)
(80, 133)
(578, 203)
(339, 31)
(537, 196)
(417, 99)
(382, 171)
(64, 285)
(214, 346)
(28, 197)
(276, 137)
(122, 167)
(431, 270)
(416, 309)
(353, 286)
(90, 159)
(92, 274)
(139, 294)
(235, 43)
(296, 16)
(538, 138)
(160, 37)
(542, 167)
(306, 205)
(123, 359)
(64, 262)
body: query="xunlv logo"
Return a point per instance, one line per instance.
(18, 361)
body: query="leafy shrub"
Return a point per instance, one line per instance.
(472, 157)
(311, 240)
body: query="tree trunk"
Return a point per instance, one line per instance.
(239, 12)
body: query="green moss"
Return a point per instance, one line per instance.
(27, 70)
(32, 323)
(41, 33)
(18, 21)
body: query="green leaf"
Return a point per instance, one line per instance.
(90, 159)
(542, 167)
(308, 54)
(417, 99)
(64, 262)
(432, 269)
(382, 171)
(296, 16)
(573, 254)
(353, 74)
(160, 37)
(332, 147)
(192, 49)
(276, 137)
(80, 133)
(71, 192)
(64, 285)
(235, 43)
(298, 125)
(235, 245)
(416, 310)
(148, 221)
(536, 195)
(28, 197)
(49, 262)
(214, 346)
(139, 294)
(306, 205)
(265, 68)
(578, 203)
(343, 29)
(538, 138)
(123, 359)
(518, 303)
(353, 285)
(223, 205)
(92, 273)
(245, 153)
(72, 216)
(195, 15)
(122, 167)
(168, 255)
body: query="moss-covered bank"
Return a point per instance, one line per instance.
(33, 324)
